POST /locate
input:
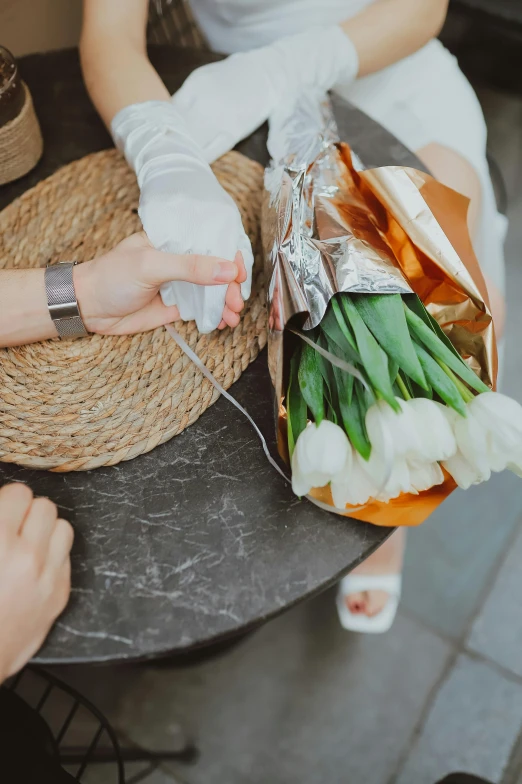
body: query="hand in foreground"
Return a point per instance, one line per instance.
(34, 573)
(184, 209)
(118, 293)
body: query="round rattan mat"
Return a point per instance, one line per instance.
(94, 401)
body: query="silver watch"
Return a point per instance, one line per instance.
(61, 299)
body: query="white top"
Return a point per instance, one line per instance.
(239, 25)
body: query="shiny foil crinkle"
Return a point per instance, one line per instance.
(330, 226)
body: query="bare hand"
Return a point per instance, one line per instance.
(34, 573)
(118, 293)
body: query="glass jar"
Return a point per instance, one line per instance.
(12, 94)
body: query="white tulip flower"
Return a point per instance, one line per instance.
(407, 446)
(435, 433)
(488, 439)
(321, 454)
(500, 418)
(425, 475)
(391, 432)
(354, 484)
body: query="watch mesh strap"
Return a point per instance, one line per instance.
(61, 299)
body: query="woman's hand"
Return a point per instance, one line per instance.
(34, 573)
(222, 103)
(183, 208)
(118, 293)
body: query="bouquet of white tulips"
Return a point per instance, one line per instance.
(415, 408)
(381, 345)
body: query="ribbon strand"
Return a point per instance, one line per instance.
(208, 375)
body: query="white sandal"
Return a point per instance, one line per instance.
(356, 583)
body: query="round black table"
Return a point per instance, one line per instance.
(199, 539)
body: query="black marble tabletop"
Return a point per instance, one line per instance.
(199, 539)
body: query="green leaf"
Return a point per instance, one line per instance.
(437, 346)
(393, 368)
(348, 379)
(440, 382)
(330, 388)
(373, 358)
(414, 303)
(353, 414)
(311, 382)
(295, 404)
(330, 327)
(343, 326)
(384, 316)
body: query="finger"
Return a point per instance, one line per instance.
(61, 542)
(15, 502)
(39, 524)
(222, 324)
(162, 267)
(231, 318)
(233, 297)
(242, 276)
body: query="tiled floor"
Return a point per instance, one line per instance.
(301, 702)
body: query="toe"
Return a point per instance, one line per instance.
(377, 601)
(356, 602)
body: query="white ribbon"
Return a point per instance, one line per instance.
(339, 362)
(201, 367)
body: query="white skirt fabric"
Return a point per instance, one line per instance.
(426, 98)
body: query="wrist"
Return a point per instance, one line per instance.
(85, 290)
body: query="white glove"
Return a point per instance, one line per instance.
(226, 101)
(183, 208)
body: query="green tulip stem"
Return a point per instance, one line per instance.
(402, 386)
(462, 388)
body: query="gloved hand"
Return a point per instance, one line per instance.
(224, 102)
(183, 208)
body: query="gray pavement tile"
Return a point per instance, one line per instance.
(497, 630)
(301, 702)
(452, 557)
(472, 726)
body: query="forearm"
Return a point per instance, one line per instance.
(24, 315)
(115, 65)
(389, 30)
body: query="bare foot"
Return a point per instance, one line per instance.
(386, 560)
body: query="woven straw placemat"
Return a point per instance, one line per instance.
(94, 401)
